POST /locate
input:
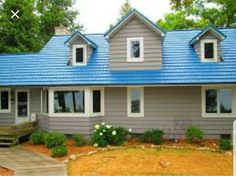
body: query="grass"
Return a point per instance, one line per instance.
(151, 161)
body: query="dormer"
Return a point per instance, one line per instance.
(207, 44)
(135, 43)
(81, 48)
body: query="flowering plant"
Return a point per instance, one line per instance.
(104, 135)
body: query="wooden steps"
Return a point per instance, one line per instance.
(10, 134)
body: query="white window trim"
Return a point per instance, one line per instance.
(218, 114)
(141, 58)
(9, 101)
(129, 114)
(74, 47)
(215, 46)
(88, 112)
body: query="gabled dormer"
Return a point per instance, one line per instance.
(207, 44)
(135, 43)
(81, 48)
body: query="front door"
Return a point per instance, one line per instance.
(22, 106)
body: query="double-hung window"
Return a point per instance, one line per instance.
(5, 101)
(135, 49)
(217, 102)
(135, 102)
(79, 55)
(209, 50)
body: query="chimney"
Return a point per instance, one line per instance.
(61, 30)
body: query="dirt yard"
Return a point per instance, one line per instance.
(151, 161)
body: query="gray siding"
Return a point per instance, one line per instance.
(208, 35)
(80, 41)
(69, 125)
(171, 109)
(152, 47)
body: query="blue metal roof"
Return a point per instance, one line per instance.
(180, 65)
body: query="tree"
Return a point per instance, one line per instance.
(125, 9)
(19, 35)
(54, 13)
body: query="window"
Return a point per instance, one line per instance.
(44, 101)
(218, 101)
(135, 102)
(69, 102)
(135, 49)
(5, 101)
(96, 101)
(79, 54)
(209, 50)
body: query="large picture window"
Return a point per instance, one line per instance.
(218, 101)
(69, 102)
(135, 101)
(4, 101)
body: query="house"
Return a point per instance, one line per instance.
(136, 75)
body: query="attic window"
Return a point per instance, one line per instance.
(135, 49)
(209, 50)
(79, 55)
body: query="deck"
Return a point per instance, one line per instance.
(10, 134)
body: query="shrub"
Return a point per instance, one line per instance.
(154, 136)
(79, 139)
(193, 133)
(59, 151)
(104, 135)
(225, 144)
(54, 139)
(37, 137)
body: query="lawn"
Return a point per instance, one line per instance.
(152, 161)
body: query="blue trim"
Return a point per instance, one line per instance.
(78, 33)
(130, 13)
(210, 27)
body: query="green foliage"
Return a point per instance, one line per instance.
(193, 133)
(125, 9)
(154, 136)
(54, 139)
(225, 144)
(104, 135)
(59, 151)
(19, 35)
(37, 137)
(79, 139)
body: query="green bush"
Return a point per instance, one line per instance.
(37, 137)
(54, 139)
(193, 134)
(104, 135)
(225, 144)
(154, 136)
(59, 151)
(79, 139)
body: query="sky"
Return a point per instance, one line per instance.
(97, 15)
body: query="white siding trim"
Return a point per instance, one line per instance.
(218, 114)
(141, 58)
(9, 101)
(74, 47)
(141, 114)
(214, 41)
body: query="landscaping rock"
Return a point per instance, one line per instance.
(66, 161)
(73, 157)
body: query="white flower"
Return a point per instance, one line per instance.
(100, 134)
(130, 130)
(103, 123)
(95, 145)
(114, 133)
(104, 131)
(97, 127)
(108, 126)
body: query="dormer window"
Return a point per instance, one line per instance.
(135, 49)
(79, 54)
(209, 50)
